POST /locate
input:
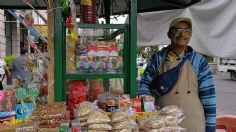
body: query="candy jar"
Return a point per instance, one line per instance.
(110, 65)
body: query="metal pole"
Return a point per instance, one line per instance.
(107, 5)
(133, 47)
(58, 51)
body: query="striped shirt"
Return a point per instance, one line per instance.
(204, 76)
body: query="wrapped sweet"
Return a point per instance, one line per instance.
(97, 117)
(51, 115)
(76, 95)
(84, 109)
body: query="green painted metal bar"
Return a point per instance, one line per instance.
(102, 26)
(126, 60)
(133, 48)
(85, 76)
(126, 57)
(58, 41)
(64, 52)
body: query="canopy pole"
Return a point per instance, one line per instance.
(107, 7)
(133, 47)
(58, 44)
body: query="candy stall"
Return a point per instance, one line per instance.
(91, 75)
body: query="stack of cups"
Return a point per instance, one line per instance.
(88, 11)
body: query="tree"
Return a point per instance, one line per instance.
(147, 51)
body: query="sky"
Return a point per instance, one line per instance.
(120, 19)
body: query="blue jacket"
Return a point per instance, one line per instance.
(204, 76)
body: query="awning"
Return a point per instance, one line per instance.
(116, 6)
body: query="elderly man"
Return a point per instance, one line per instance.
(187, 80)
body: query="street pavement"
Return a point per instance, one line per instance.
(225, 94)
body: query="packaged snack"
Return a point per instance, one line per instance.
(83, 124)
(116, 85)
(90, 130)
(170, 110)
(136, 104)
(124, 100)
(103, 127)
(24, 112)
(7, 121)
(7, 114)
(155, 123)
(97, 117)
(64, 127)
(95, 88)
(83, 119)
(122, 125)
(75, 126)
(123, 130)
(51, 116)
(31, 126)
(120, 115)
(108, 102)
(149, 106)
(84, 109)
(76, 94)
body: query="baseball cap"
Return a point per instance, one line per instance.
(175, 22)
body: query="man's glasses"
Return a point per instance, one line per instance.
(181, 30)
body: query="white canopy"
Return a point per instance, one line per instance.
(214, 27)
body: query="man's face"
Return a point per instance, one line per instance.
(181, 34)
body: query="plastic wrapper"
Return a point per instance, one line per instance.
(167, 121)
(170, 110)
(48, 129)
(165, 129)
(75, 126)
(83, 124)
(51, 116)
(95, 88)
(108, 102)
(171, 121)
(123, 130)
(90, 130)
(117, 85)
(76, 93)
(103, 127)
(70, 55)
(97, 117)
(28, 127)
(120, 115)
(172, 129)
(84, 109)
(48, 112)
(122, 125)
(64, 126)
(174, 111)
(83, 119)
(155, 122)
(52, 123)
(143, 120)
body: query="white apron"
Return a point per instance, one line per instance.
(185, 95)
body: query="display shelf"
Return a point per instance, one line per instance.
(98, 54)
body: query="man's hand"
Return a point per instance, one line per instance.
(146, 97)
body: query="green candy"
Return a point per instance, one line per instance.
(20, 93)
(33, 92)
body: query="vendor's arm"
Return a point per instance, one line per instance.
(207, 95)
(150, 72)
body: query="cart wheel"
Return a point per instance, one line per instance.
(233, 75)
